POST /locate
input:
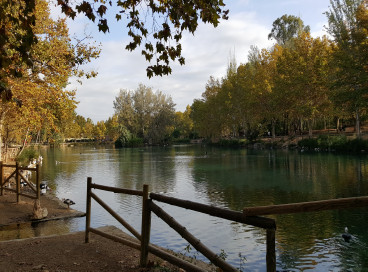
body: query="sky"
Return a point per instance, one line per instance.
(207, 53)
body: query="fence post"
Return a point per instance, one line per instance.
(38, 180)
(17, 180)
(1, 178)
(88, 209)
(146, 227)
(271, 251)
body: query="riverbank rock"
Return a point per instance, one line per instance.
(38, 212)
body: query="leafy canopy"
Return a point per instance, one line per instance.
(287, 27)
(157, 26)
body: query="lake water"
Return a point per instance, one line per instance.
(228, 178)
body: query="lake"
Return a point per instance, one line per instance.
(227, 178)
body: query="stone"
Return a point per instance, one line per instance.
(38, 212)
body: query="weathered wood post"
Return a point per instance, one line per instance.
(88, 209)
(1, 178)
(38, 189)
(271, 250)
(146, 227)
(17, 180)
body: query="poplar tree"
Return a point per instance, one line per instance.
(347, 24)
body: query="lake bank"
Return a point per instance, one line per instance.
(12, 212)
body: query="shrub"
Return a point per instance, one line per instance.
(356, 145)
(26, 156)
(338, 143)
(335, 143)
(308, 144)
(123, 139)
(229, 143)
(135, 142)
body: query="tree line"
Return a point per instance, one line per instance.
(38, 56)
(300, 84)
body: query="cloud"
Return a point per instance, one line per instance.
(207, 54)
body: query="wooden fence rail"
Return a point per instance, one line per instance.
(261, 222)
(195, 242)
(142, 240)
(18, 176)
(313, 206)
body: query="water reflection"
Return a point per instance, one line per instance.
(28, 230)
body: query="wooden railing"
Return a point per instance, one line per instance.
(18, 174)
(142, 239)
(312, 206)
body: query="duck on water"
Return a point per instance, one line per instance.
(346, 235)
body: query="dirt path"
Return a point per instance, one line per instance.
(69, 252)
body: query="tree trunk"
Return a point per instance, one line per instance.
(310, 131)
(338, 125)
(1, 135)
(24, 143)
(1, 139)
(273, 124)
(357, 123)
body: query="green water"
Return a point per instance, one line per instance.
(233, 179)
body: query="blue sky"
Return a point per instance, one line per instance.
(207, 53)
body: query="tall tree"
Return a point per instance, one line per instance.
(301, 79)
(348, 26)
(145, 114)
(287, 27)
(183, 123)
(39, 97)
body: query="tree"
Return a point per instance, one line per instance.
(348, 26)
(17, 20)
(302, 79)
(208, 112)
(112, 128)
(99, 130)
(160, 37)
(183, 123)
(39, 99)
(145, 114)
(287, 27)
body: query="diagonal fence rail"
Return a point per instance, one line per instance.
(18, 175)
(141, 241)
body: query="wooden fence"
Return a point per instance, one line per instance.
(312, 206)
(18, 175)
(142, 239)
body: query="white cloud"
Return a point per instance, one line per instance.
(207, 54)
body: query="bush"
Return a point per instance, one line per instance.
(123, 139)
(135, 142)
(308, 144)
(181, 141)
(26, 156)
(231, 142)
(334, 143)
(356, 145)
(323, 142)
(338, 143)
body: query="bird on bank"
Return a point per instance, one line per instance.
(44, 188)
(346, 235)
(68, 202)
